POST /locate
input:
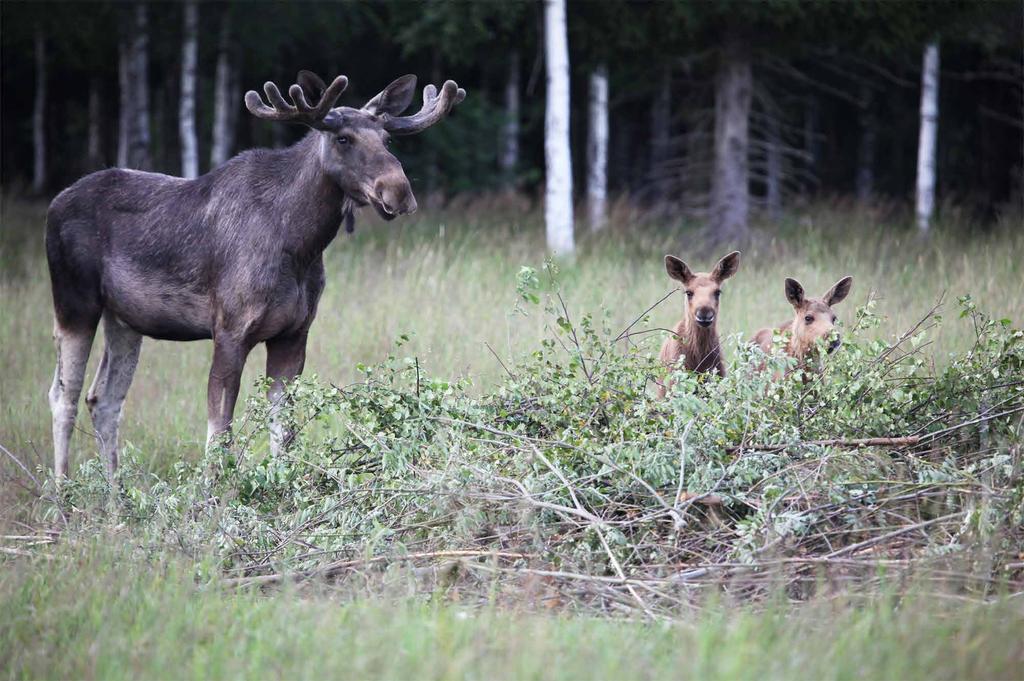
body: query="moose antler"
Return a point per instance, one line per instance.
(435, 107)
(300, 110)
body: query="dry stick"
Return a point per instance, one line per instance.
(21, 466)
(904, 441)
(889, 535)
(625, 331)
(597, 522)
(332, 568)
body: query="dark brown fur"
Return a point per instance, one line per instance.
(234, 256)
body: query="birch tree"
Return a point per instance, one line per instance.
(223, 131)
(124, 83)
(597, 149)
(133, 77)
(39, 115)
(187, 101)
(929, 131)
(508, 157)
(558, 211)
(730, 198)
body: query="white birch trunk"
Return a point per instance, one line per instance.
(39, 116)
(124, 115)
(95, 146)
(730, 197)
(187, 103)
(597, 150)
(558, 210)
(508, 158)
(139, 136)
(222, 140)
(926, 146)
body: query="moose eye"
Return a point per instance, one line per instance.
(343, 139)
(809, 318)
(689, 294)
(718, 293)
(834, 319)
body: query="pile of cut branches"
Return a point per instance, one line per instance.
(570, 484)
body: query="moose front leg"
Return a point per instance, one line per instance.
(286, 358)
(229, 357)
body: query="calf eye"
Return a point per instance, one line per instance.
(689, 294)
(718, 294)
(809, 319)
(343, 139)
(834, 319)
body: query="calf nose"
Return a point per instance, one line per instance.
(395, 195)
(834, 344)
(705, 316)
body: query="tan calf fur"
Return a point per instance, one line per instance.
(695, 338)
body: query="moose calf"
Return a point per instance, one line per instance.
(814, 320)
(696, 335)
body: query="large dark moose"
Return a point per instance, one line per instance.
(234, 255)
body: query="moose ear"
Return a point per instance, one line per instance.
(726, 267)
(312, 85)
(839, 291)
(794, 292)
(394, 99)
(677, 269)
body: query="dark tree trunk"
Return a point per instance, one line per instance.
(730, 198)
(661, 123)
(866, 146)
(773, 165)
(39, 116)
(508, 158)
(94, 154)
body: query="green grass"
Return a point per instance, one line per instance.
(449, 280)
(98, 613)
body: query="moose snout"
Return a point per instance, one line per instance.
(394, 196)
(705, 316)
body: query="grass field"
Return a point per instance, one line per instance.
(448, 280)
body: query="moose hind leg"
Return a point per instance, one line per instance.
(73, 348)
(110, 386)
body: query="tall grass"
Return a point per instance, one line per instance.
(96, 612)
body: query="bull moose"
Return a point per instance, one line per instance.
(235, 255)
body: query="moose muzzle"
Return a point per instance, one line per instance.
(392, 196)
(705, 317)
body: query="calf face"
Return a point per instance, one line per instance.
(815, 320)
(703, 289)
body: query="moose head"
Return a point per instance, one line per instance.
(703, 289)
(353, 150)
(814, 318)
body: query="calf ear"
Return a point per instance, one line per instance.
(394, 99)
(726, 267)
(677, 269)
(839, 291)
(794, 292)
